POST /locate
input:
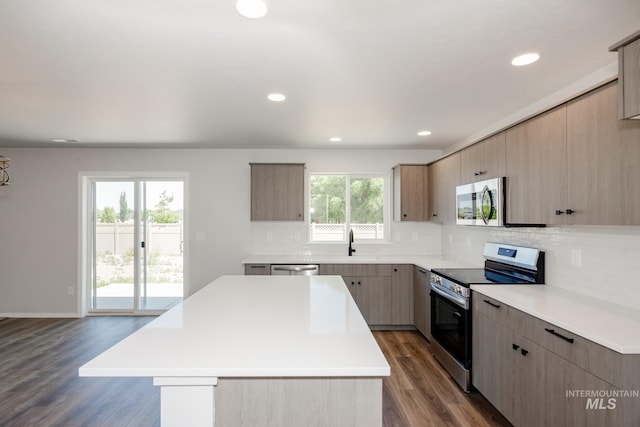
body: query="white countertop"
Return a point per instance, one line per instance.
(252, 326)
(425, 261)
(605, 323)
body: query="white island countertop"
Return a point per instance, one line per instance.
(252, 326)
(610, 325)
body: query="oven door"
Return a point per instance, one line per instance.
(451, 325)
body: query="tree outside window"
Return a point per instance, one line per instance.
(339, 203)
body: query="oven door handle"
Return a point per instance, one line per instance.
(457, 300)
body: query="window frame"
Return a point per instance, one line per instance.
(386, 211)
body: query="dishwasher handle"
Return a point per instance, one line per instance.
(307, 269)
(292, 268)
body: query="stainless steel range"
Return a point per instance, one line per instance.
(451, 327)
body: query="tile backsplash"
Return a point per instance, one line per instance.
(291, 238)
(602, 262)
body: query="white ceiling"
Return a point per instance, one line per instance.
(193, 73)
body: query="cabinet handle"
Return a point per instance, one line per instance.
(422, 271)
(353, 283)
(404, 215)
(435, 214)
(479, 173)
(559, 212)
(515, 346)
(258, 266)
(553, 332)
(491, 304)
(359, 283)
(569, 211)
(395, 269)
(524, 352)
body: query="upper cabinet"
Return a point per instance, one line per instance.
(603, 154)
(444, 176)
(483, 160)
(536, 166)
(410, 202)
(629, 76)
(277, 192)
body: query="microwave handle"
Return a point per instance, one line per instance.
(484, 191)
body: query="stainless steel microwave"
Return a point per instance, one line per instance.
(481, 203)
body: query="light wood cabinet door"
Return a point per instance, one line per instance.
(444, 176)
(522, 378)
(536, 166)
(277, 192)
(483, 160)
(402, 294)
(603, 157)
(421, 301)
(410, 186)
(373, 296)
(487, 353)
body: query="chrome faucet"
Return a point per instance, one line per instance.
(351, 250)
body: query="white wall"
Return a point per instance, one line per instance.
(43, 200)
(602, 262)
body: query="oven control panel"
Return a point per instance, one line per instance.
(443, 282)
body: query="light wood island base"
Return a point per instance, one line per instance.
(282, 402)
(299, 402)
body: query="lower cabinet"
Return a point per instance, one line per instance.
(372, 296)
(421, 301)
(383, 292)
(402, 294)
(530, 384)
(487, 341)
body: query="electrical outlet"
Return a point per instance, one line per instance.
(414, 237)
(70, 290)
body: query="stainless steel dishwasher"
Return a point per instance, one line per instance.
(294, 269)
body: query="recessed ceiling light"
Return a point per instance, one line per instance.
(335, 139)
(424, 133)
(253, 9)
(525, 59)
(276, 97)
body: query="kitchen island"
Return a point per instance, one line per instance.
(256, 350)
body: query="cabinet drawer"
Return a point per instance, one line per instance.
(492, 308)
(373, 270)
(559, 341)
(257, 269)
(601, 361)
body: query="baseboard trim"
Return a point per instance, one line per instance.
(41, 315)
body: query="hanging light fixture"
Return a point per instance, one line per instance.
(253, 9)
(4, 175)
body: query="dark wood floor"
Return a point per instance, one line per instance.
(39, 383)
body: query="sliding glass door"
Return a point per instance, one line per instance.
(136, 244)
